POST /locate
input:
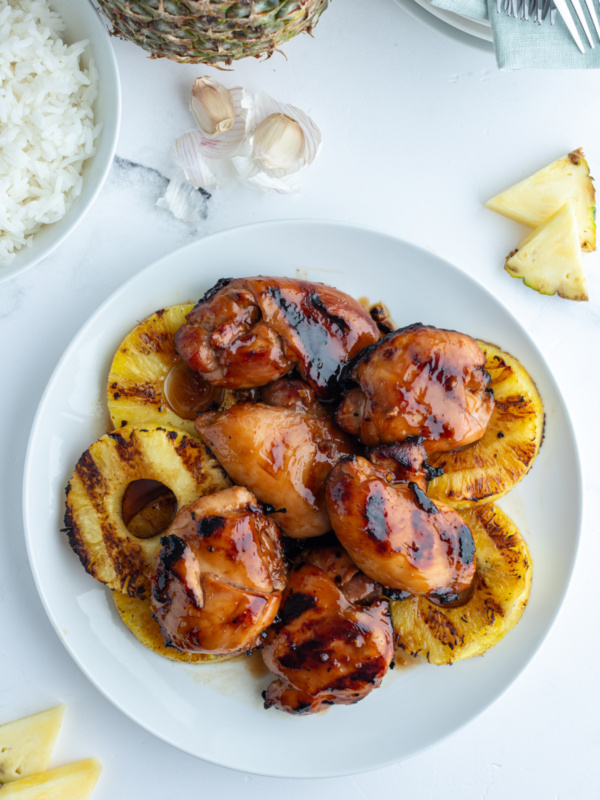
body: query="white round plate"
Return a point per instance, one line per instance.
(215, 711)
(480, 30)
(82, 22)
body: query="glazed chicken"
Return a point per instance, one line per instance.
(219, 575)
(404, 462)
(337, 564)
(324, 647)
(396, 535)
(283, 456)
(295, 395)
(248, 332)
(419, 381)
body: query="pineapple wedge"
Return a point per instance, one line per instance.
(71, 782)
(535, 199)
(549, 259)
(500, 594)
(26, 744)
(137, 616)
(486, 470)
(94, 515)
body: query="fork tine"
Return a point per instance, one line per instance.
(593, 16)
(581, 17)
(563, 10)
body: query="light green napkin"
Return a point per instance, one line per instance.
(526, 45)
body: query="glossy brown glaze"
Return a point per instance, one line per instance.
(404, 462)
(396, 534)
(187, 393)
(419, 381)
(219, 575)
(323, 648)
(148, 507)
(337, 565)
(294, 394)
(251, 331)
(283, 456)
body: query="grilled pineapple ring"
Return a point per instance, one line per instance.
(489, 468)
(94, 520)
(501, 590)
(137, 374)
(135, 613)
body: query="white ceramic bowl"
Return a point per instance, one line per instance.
(82, 22)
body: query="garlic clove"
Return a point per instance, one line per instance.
(212, 106)
(231, 141)
(183, 200)
(278, 142)
(295, 157)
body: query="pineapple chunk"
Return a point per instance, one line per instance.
(26, 744)
(71, 782)
(540, 196)
(549, 259)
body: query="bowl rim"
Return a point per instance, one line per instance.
(107, 143)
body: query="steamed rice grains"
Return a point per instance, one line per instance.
(47, 126)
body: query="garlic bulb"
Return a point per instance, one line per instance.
(278, 142)
(258, 142)
(212, 106)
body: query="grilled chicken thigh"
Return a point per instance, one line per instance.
(324, 648)
(219, 575)
(419, 381)
(295, 395)
(250, 331)
(283, 456)
(396, 535)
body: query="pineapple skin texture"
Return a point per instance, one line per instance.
(137, 616)
(26, 744)
(201, 31)
(72, 782)
(486, 470)
(501, 591)
(93, 517)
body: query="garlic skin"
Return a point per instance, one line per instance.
(212, 106)
(284, 142)
(183, 200)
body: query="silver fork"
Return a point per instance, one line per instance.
(537, 10)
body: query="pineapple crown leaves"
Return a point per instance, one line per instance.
(201, 31)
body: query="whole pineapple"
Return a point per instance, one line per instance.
(211, 31)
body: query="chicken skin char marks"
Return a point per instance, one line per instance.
(283, 456)
(396, 535)
(219, 575)
(419, 381)
(325, 649)
(247, 332)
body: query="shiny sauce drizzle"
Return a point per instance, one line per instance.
(187, 393)
(148, 507)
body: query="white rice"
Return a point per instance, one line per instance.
(47, 126)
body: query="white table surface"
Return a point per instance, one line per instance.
(418, 130)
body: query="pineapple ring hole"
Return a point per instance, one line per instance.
(148, 508)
